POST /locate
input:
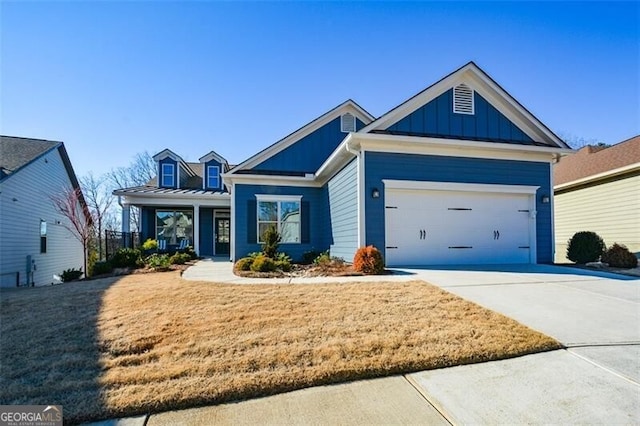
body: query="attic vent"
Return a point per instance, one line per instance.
(347, 123)
(463, 99)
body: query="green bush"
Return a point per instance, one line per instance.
(368, 260)
(322, 259)
(71, 275)
(263, 264)
(619, 256)
(309, 256)
(100, 268)
(149, 245)
(244, 264)
(158, 262)
(126, 258)
(283, 265)
(179, 258)
(271, 240)
(190, 252)
(584, 247)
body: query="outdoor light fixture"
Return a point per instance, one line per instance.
(375, 193)
(545, 199)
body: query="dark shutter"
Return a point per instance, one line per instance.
(252, 237)
(305, 226)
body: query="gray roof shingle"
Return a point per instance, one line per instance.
(16, 152)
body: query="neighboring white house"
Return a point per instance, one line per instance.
(598, 189)
(34, 243)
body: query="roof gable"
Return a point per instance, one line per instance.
(212, 155)
(513, 118)
(348, 106)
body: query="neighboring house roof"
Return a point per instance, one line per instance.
(480, 81)
(17, 153)
(597, 162)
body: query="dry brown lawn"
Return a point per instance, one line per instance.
(152, 342)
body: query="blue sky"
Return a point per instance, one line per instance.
(112, 79)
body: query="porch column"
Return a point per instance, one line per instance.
(196, 228)
(126, 217)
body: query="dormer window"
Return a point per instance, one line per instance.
(213, 177)
(168, 175)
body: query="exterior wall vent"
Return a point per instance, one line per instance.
(463, 99)
(347, 123)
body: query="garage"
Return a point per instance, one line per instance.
(435, 223)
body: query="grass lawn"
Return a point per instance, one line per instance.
(152, 342)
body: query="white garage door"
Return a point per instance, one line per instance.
(435, 227)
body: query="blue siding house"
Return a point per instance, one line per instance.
(458, 174)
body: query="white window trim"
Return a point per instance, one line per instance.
(278, 199)
(163, 174)
(217, 174)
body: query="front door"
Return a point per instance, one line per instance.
(223, 234)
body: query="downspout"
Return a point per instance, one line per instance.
(360, 190)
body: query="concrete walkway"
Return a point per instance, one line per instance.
(595, 380)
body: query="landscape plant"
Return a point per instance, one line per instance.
(71, 274)
(150, 245)
(126, 258)
(585, 247)
(368, 260)
(158, 262)
(271, 239)
(619, 256)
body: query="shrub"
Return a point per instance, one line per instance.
(244, 264)
(100, 268)
(368, 260)
(190, 252)
(159, 262)
(283, 262)
(71, 275)
(126, 258)
(263, 264)
(271, 240)
(179, 258)
(584, 247)
(150, 245)
(309, 256)
(322, 258)
(254, 254)
(619, 256)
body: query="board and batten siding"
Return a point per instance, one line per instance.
(343, 212)
(25, 200)
(382, 165)
(612, 210)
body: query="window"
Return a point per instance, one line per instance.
(174, 226)
(43, 236)
(281, 212)
(167, 175)
(213, 177)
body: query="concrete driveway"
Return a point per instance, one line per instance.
(595, 380)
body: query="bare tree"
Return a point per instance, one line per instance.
(577, 142)
(139, 171)
(71, 204)
(99, 200)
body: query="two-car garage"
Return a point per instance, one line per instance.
(436, 223)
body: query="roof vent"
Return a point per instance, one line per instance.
(347, 123)
(463, 99)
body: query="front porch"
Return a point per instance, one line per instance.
(198, 218)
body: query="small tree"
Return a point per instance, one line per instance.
(271, 243)
(99, 200)
(70, 203)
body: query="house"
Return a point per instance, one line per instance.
(34, 243)
(458, 174)
(598, 189)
